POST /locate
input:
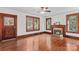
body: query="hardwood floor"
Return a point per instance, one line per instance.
(41, 42)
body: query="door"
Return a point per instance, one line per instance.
(9, 27)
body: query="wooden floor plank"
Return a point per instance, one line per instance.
(41, 42)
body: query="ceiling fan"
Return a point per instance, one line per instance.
(45, 9)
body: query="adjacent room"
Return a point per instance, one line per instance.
(39, 28)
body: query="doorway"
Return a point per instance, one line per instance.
(9, 26)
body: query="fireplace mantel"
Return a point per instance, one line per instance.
(60, 27)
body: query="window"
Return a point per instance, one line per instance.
(48, 23)
(72, 23)
(32, 23)
(36, 24)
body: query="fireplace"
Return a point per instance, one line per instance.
(58, 30)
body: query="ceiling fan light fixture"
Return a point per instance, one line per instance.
(42, 12)
(45, 10)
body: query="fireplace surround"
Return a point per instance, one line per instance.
(58, 30)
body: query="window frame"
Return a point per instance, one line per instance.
(67, 20)
(32, 24)
(46, 23)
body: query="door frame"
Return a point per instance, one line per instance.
(15, 23)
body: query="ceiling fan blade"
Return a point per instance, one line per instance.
(47, 11)
(42, 8)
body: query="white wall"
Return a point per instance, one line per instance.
(21, 21)
(61, 17)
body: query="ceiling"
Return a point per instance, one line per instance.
(36, 10)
